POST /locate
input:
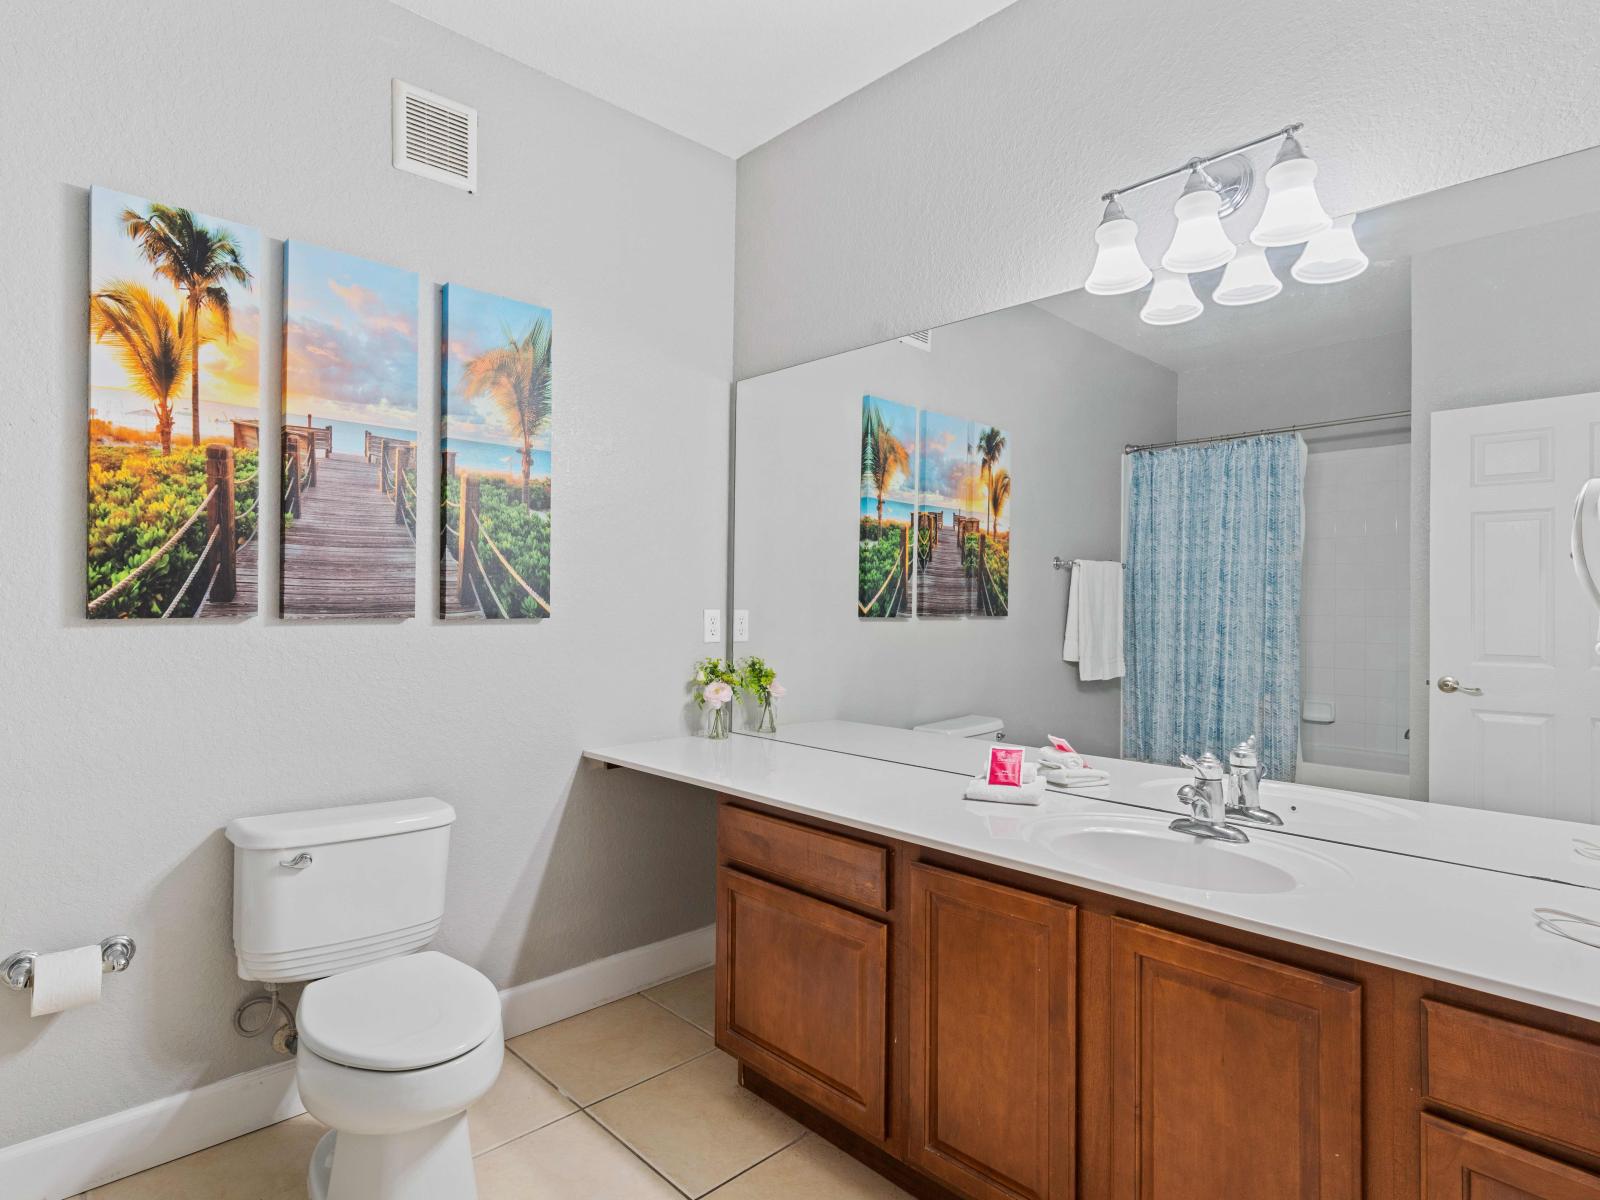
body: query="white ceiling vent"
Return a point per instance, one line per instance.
(922, 339)
(435, 138)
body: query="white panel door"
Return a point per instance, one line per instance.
(1516, 724)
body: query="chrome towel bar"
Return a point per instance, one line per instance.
(116, 953)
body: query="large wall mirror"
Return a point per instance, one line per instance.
(1339, 521)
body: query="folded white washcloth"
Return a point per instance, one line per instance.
(1029, 793)
(1076, 776)
(1070, 759)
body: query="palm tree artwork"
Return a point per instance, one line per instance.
(154, 346)
(991, 445)
(199, 261)
(883, 455)
(516, 376)
(999, 496)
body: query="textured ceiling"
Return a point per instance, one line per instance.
(729, 74)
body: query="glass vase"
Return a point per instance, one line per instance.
(769, 722)
(717, 722)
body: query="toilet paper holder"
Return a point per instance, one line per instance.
(116, 953)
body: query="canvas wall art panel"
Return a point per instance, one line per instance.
(888, 508)
(174, 406)
(497, 391)
(963, 518)
(349, 450)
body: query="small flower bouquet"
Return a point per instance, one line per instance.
(761, 682)
(716, 684)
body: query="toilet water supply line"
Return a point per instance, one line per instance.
(285, 1038)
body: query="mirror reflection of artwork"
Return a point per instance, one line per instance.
(174, 331)
(497, 457)
(963, 518)
(888, 507)
(349, 455)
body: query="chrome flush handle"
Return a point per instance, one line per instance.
(1449, 683)
(299, 862)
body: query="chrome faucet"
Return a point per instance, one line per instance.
(1207, 798)
(1244, 766)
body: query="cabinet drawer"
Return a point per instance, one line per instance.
(803, 997)
(1525, 1079)
(1460, 1164)
(825, 863)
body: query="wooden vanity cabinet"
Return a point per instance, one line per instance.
(992, 1037)
(1462, 1164)
(1232, 1075)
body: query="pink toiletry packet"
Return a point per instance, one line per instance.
(1062, 744)
(1005, 766)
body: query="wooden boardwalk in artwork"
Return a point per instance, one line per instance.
(346, 555)
(943, 587)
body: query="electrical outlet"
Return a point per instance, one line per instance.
(713, 624)
(741, 624)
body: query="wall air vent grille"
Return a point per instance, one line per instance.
(435, 138)
(922, 340)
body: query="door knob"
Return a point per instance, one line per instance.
(1449, 683)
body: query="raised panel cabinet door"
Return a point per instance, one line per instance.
(1232, 1075)
(1460, 1164)
(802, 996)
(992, 1037)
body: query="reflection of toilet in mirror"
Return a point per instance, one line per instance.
(393, 1046)
(973, 725)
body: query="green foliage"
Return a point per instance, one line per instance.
(713, 670)
(756, 677)
(522, 535)
(137, 500)
(879, 559)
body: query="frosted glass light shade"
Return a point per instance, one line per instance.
(1248, 279)
(1333, 256)
(1199, 244)
(1293, 213)
(1118, 266)
(1172, 301)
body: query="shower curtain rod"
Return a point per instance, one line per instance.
(1404, 414)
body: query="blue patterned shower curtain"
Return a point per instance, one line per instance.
(1212, 599)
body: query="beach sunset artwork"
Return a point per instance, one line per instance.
(496, 460)
(963, 518)
(174, 400)
(349, 451)
(888, 508)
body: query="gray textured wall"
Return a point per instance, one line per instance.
(1068, 401)
(124, 749)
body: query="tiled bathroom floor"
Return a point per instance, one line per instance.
(629, 1101)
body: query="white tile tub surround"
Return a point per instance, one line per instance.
(1353, 605)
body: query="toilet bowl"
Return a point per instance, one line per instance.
(390, 1057)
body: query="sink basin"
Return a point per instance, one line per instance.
(1299, 805)
(1147, 850)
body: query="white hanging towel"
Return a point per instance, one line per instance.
(1094, 620)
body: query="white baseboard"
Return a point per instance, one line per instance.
(76, 1159)
(73, 1160)
(556, 997)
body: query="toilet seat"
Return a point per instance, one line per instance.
(402, 1014)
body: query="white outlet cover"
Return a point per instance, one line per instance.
(741, 624)
(713, 625)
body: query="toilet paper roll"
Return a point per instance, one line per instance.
(67, 979)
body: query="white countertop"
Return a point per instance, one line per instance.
(1449, 922)
(1496, 841)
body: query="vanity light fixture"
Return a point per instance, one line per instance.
(1118, 266)
(1332, 256)
(1172, 300)
(1199, 244)
(1248, 280)
(1293, 213)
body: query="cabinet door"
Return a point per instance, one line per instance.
(1232, 1075)
(1458, 1164)
(992, 1037)
(802, 996)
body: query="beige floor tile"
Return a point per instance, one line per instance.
(600, 1052)
(813, 1169)
(572, 1159)
(264, 1165)
(693, 998)
(696, 1125)
(519, 1103)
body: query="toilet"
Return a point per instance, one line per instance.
(973, 725)
(394, 1042)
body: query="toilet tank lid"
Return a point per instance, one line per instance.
(348, 823)
(971, 725)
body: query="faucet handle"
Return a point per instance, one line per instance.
(1244, 754)
(1208, 767)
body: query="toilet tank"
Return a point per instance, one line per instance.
(327, 890)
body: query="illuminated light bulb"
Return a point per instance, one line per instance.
(1172, 301)
(1118, 266)
(1293, 214)
(1248, 279)
(1333, 256)
(1199, 243)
